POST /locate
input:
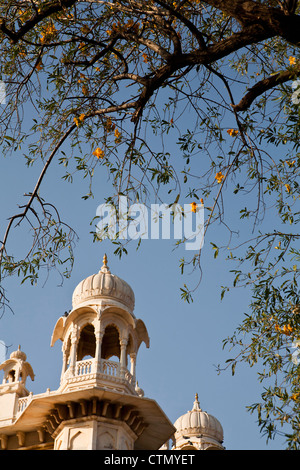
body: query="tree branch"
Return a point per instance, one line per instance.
(34, 194)
(263, 86)
(35, 19)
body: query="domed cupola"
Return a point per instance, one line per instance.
(198, 430)
(103, 285)
(16, 370)
(101, 336)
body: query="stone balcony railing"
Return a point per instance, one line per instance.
(22, 403)
(106, 369)
(86, 368)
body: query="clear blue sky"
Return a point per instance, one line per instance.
(185, 339)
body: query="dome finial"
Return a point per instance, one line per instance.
(105, 268)
(196, 403)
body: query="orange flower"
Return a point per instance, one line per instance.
(232, 132)
(145, 57)
(117, 136)
(79, 119)
(219, 177)
(193, 207)
(295, 396)
(288, 188)
(98, 153)
(292, 60)
(287, 329)
(201, 200)
(48, 32)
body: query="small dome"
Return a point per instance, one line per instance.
(199, 422)
(101, 285)
(18, 354)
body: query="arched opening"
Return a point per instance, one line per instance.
(129, 349)
(87, 343)
(11, 376)
(110, 348)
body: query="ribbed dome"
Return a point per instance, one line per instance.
(199, 422)
(18, 354)
(103, 284)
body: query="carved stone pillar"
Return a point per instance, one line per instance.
(133, 365)
(123, 344)
(65, 359)
(73, 353)
(99, 336)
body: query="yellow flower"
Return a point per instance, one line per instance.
(79, 119)
(287, 329)
(193, 207)
(117, 136)
(292, 60)
(219, 177)
(288, 188)
(98, 153)
(290, 164)
(232, 132)
(48, 32)
(277, 327)
(295, 396)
